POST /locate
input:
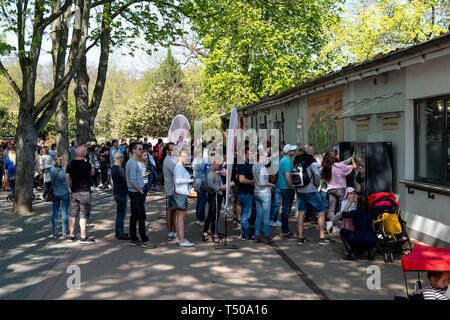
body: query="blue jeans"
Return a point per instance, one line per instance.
(276, 202)
(121, 213)
(12, 185)
(262, 211)
(246, 204)
(152, 178)
(323, 194)
(57, 200)
(202, 199)
(287, 195)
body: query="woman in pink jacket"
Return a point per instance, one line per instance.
(334, 173)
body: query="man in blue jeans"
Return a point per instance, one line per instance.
(287, 188)
(308, 196)
(245, 195)
(120, 191)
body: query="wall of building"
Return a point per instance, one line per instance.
(427, 220)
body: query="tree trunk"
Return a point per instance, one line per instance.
(84, 131)
(62, 127)
(87, 112)
(26, 142)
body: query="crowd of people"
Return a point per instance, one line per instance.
(317, 183)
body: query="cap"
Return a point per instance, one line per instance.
(289, 147)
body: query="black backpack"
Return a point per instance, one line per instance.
(299, 175)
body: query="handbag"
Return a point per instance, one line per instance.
(49, 196)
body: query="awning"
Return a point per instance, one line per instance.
(423, 258)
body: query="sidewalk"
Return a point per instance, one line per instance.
(112, 269)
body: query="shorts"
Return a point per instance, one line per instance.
(80, 203)
(180, 201)
(311, 200)
(170, 202)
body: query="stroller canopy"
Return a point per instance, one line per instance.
(380, 195)
(423, 258)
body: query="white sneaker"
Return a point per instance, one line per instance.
(296, 215)
(186, 243)
(329, 226)
(336, 230)
(275, 224)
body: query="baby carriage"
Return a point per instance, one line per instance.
(389, 226)
(424, 258)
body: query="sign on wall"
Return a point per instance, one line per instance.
(390, 123)
(362, 125)
(323, 130)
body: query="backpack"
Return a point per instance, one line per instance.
(299, 175)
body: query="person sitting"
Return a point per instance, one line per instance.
(438, 286)
(364, 237)
(350, 193)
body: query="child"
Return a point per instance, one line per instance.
(438, 286)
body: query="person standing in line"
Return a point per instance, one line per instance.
(78, 180)
(263, 197)
(334, 173)
(120, 191)
(183, 183)
(95, 163)
(276, 196)
(144, 165)
(52, 152)
(215, 196)
(245, 194)
(135, 184)
(73, 150)
(112, 151)
(169, 188)
(61, 197)
(199, 187)
(45, 164)
(287, 188)
(309, 197)
(10, 167)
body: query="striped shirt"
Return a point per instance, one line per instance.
(431, 293)
(144, 170)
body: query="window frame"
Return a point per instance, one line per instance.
(445, 181)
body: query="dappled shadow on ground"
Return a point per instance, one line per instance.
(112, 269)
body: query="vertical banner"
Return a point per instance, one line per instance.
(231, 136)
(179, 134)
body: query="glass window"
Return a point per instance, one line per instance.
(433, 140)
(448, 139)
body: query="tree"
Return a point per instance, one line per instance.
(258, 48)
(379, 26)
(29, 22)
(121, 23)
(166, 97)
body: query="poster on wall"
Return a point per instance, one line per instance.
(323, 130)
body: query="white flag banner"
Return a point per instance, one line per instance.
(231, 137)
(178, 132)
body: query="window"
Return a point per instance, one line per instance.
(432, 140)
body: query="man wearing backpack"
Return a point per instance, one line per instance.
(306, 179)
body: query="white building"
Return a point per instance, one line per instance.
(401, 97)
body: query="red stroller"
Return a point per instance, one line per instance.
(423, 258)
(389, 226)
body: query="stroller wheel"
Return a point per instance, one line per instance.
(386, 258)
(391, 257)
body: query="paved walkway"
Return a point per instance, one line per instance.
(33, 265)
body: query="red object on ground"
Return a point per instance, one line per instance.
(424, 258)
(377, 196)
